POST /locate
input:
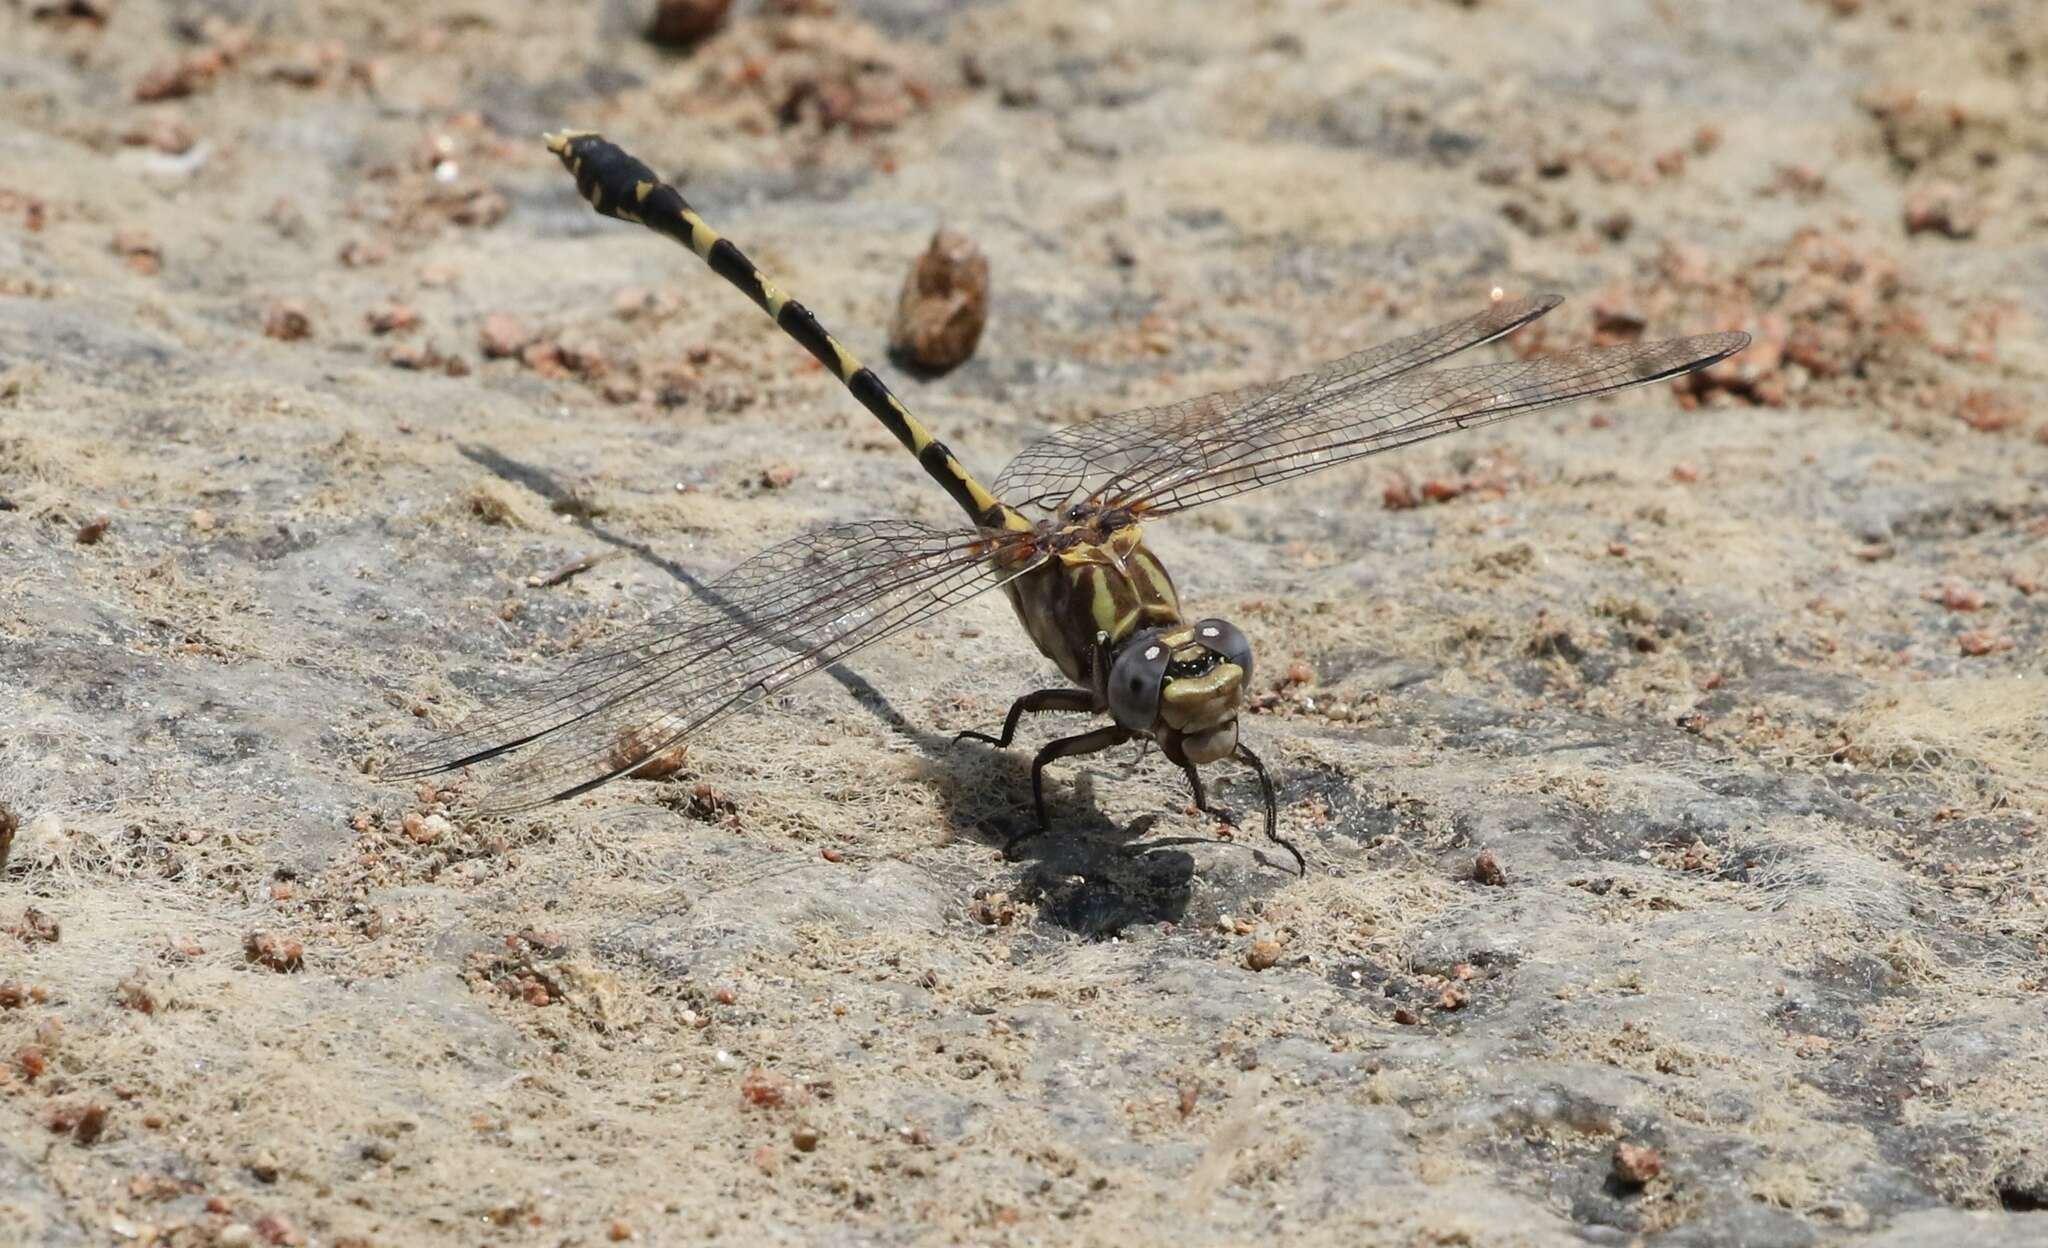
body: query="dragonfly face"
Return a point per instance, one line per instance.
(1183, 686)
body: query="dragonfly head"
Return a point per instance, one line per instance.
(1183, 686)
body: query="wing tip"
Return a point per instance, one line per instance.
(1713, 348)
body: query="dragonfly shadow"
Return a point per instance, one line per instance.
(564, 501)
(1096, 885)
(1086, 873)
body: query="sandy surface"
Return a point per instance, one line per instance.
(1741, 685)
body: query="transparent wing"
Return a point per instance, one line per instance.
(1312, 426)
(783, 614)
(1052, 472)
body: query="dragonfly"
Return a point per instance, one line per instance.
(1059, 533)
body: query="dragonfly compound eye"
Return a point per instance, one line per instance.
(1224, 639)
(1135, 681)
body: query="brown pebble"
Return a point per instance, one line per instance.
(805, 1139)
(503, 335)
(1487, 869)
(278, 952)
(1636, 1164)
(362, 253)
(1405, 1016)
(1262, 955)
(1942, 208)
(1989, 411)
(1299, 673)
(132, 994)
(679, 23)
(93, 530)
(1957, 597)
(412, 355)
(165, 134)
(993, 910)
(618, 1232)
(36, 928)
(1981, 642)
(140, 249)
(10, 823)
(763, 1090)
(944, 304)
(287, 321)
(1453, 999)
(91, 1124)
(779, 476)
(391, 318)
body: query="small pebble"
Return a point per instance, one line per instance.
(503, 336)
(1636, 1164)
(944, 305)
(391, 318)
(679, 23)
(140, 249)
(1942, 208)
(805, 1139)
(1487, 869)
(1262, 955)
(280, 953)
(287, 321)
(1981, 642)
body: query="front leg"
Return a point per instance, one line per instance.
(1066, 747)
(1034, 702)
(1195, 783)
(1272, 807)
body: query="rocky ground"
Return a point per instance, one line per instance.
(1669, 769)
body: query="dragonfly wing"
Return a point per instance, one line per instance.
(1053, 470)
(1317, 426)
(787, 612)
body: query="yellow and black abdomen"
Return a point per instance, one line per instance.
(1095, 583)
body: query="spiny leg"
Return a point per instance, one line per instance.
(1033, 703)
(1251, 760)
(1066, 747)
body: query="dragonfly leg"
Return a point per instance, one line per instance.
(1033, 703)
(1195, 783)
(1272, 807)
(1066, 747)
